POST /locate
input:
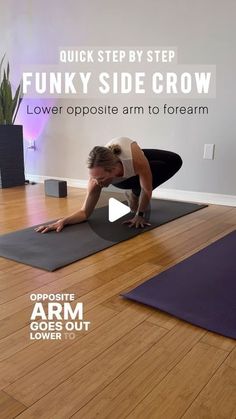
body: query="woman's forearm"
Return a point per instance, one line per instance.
(75, 218)
(144, 200)
(87, 208)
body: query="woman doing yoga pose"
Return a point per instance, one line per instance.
(122, 163)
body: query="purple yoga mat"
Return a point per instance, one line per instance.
(201, 289)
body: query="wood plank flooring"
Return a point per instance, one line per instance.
(134, 362)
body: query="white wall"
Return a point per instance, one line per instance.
(204, 32)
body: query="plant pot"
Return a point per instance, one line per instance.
(11, 156)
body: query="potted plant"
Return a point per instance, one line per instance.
(11, 136)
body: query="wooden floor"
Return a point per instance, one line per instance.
(134, 362)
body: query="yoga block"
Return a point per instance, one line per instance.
(57, 188)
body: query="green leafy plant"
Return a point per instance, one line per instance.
(9, 103)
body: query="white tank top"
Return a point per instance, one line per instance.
(125, 157)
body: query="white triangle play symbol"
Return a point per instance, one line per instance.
(116, 209)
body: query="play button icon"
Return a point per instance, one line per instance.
(107, 221)
(116, 209)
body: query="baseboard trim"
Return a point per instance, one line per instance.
(198, 197)
(172, 194)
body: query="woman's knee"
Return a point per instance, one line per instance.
(177, 161)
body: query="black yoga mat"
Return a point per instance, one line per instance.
(200, 289)
(53, 250)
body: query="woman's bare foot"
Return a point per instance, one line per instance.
(133, 200)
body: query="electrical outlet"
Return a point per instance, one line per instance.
(209, 150)
(31, 145)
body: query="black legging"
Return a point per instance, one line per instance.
(164, 164)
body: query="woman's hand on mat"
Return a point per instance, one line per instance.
(58, 226)
(137, 221)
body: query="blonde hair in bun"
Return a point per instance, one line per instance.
(115, 148)
(104, 157)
